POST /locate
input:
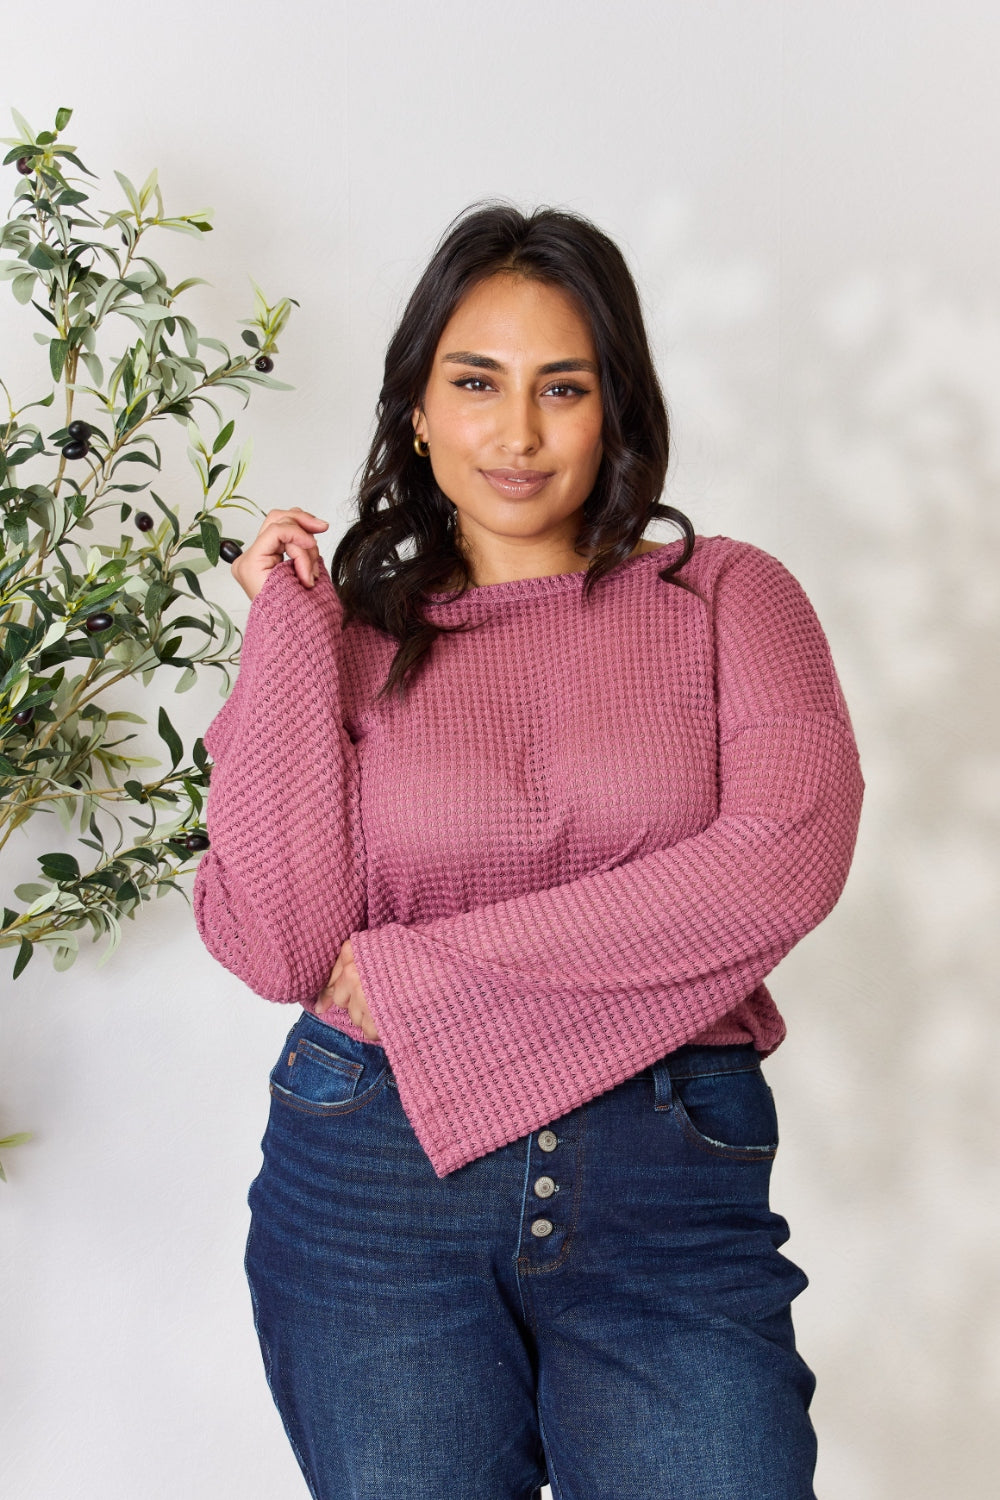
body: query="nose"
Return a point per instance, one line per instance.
(518, 425)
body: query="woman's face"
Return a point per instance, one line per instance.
(512, 413)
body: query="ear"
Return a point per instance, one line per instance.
(419, 424)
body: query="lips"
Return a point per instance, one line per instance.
(518, 483)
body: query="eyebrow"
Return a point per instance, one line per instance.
(483, 362)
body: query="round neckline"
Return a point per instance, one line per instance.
(548, 583)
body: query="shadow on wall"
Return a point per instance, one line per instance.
(895, 443)
(854, 430)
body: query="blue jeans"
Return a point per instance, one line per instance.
(600, 1306)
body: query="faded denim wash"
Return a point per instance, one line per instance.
(609, 1316)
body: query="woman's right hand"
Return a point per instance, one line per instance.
(283, 531)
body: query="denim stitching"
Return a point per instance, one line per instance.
(268, 1370)
(329, 1059)
(550, 1467)
(706, 1143)
(711, 1147)
(561, 1258)
(318, 1110)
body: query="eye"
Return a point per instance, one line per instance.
(468, 382)
(564, 388)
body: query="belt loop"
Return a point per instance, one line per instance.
(661, 1084)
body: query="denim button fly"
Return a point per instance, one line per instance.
(637, 1270)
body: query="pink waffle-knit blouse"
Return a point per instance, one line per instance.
(584, 839)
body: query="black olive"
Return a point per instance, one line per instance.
(81, 430)
(101, 621)
(76, 448)
(264, 363)
(196, 841)
(229, 550)
(25, 166)
(24, 716)
(144, 520)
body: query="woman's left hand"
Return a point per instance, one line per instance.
(343, 988)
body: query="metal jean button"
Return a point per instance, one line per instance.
(544, 1187)
(541, 1227)
(548, 1140)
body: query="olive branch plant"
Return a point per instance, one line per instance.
(79, 615)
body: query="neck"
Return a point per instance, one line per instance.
(575, 564)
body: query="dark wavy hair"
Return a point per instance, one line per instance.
(404, 543)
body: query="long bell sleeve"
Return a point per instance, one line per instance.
(283, 881)
(500, 1019)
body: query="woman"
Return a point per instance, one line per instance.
(522, 810)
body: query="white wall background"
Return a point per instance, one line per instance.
(808, 197)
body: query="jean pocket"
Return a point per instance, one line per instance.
(322, 1077)
(729, 1112)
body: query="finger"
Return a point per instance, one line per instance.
(359, 1014)
(329, 996)
(274, 541)
(282, 536)
(307, 563)
(282, 531)
(296, 513)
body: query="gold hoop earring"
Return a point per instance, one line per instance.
(422, 449)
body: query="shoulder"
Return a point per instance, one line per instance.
(725, 569)
(717, 554)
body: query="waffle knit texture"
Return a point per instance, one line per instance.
(584, 839)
